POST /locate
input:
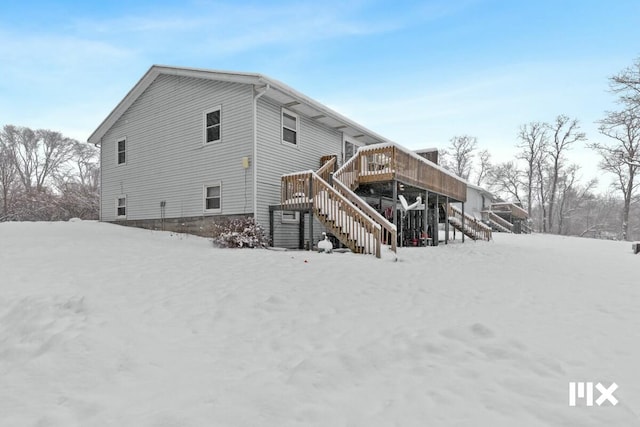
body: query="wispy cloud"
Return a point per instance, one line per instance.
(217, 28)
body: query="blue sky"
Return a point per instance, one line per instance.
(417, 73)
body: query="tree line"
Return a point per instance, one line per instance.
(545, 181)
(45, 176)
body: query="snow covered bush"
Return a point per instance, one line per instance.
(238, 233)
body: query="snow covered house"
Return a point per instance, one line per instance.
(188, 146)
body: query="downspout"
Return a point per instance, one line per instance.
(256, 96)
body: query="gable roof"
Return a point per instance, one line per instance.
(277, 91)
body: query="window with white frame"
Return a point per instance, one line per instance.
(121, 151)
(212, 124)
(289, 127)
(290, 217)
(213, 198)
(121, 207)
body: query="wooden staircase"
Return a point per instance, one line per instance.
(343, 213)
(499, 223)
(470, 226)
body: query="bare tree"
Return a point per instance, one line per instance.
(506, 178)
(7, 174)
(564, 133)
(86, 167)
(484, 167)
(627, 85)
(622, 158)
(597, 216)
(571, 196)
(533, 143)
(46, 176)
(37, 155)
(542, 184)
(458, 157)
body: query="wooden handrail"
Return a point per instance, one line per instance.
(348, 173)
(344, 218)
(480, 229)
(327, 168)
(500, 221)
(389, 231)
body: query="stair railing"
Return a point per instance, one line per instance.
(479, 229)
(348, 173)
(501, 222)
(389, 231)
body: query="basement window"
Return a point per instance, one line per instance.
(290, 217)
(213, 198)
(121, 207)
(289, 127)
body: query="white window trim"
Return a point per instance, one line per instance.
(126, 149)
(126, 209)
(294, 220)
(204, 125)
(204, 198)
(297, 129)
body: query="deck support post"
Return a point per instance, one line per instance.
(271, 222)
(301, 230)
(436, 222)
(425, 217)
(462, 220)
(395, 208)
(311, 213)
(446, 223)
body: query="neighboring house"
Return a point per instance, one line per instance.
(186, 146)
(478, 201)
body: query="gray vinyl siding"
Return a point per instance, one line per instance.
(286, 235)
(276, 158)
(165, 155)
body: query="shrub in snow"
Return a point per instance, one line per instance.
(238, 233)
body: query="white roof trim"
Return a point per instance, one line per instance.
(227, 76)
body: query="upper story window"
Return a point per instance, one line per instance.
(121, 150)
(289, 127)
(212, 120)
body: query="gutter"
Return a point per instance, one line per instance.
(256, 96)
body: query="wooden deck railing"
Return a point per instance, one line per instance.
(510, 207)
(475, 228)
(385, 162)
(328, 168)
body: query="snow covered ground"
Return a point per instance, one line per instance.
(103, 325)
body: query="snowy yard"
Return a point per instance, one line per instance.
(103, 325)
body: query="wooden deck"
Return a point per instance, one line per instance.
(388, 162)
